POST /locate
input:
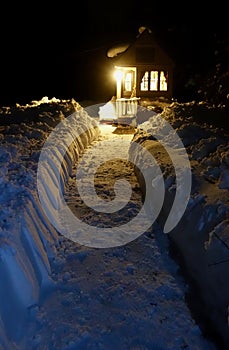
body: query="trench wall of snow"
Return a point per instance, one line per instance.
(28, 240)
(201, 238)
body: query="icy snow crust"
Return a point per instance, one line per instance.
(31, 247)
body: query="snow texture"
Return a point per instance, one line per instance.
(201, 238)
(59, 295)
(27, 238)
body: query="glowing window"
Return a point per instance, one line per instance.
(145, 82)
(163, 81)
(128, 82)
(153, 80)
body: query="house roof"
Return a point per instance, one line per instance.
(144, 50)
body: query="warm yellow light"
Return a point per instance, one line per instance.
(118, 74)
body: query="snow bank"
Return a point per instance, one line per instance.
(28, 241)
(201, 239)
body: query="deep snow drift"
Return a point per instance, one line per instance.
(59, 295)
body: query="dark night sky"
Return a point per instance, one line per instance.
(49, 50)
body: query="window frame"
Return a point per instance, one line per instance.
(147, 81)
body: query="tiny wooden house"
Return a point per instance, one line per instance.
(142, 69)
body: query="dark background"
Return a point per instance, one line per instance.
(59, 49)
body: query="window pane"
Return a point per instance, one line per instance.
(163, 81)
(144, 82)
(128, 82)
(153, 80)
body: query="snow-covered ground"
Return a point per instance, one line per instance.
(58, 294)
(200, 240)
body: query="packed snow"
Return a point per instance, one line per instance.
(58, 294)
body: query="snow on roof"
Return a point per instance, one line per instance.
(117, 49)
(122, 47)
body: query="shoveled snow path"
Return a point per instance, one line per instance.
(128, 297)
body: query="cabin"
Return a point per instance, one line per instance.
(142, 70)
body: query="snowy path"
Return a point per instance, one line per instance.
(122, 298)
(105, 177)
